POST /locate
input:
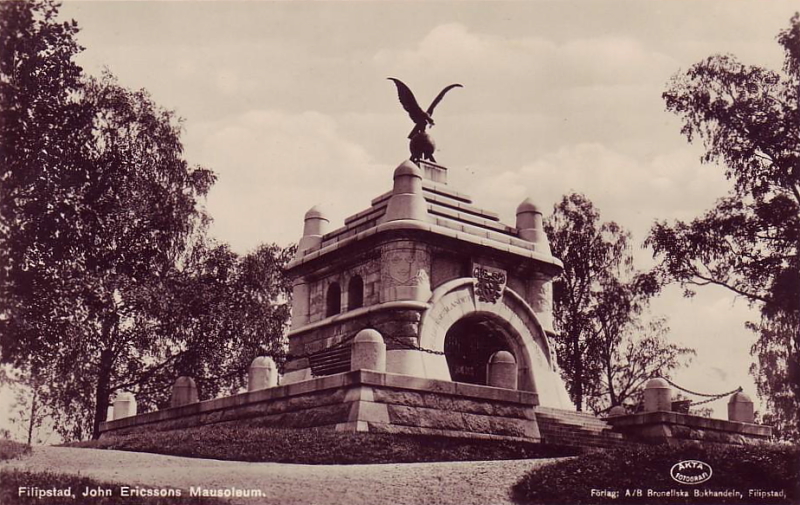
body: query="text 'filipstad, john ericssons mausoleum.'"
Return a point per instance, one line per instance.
(425, 314)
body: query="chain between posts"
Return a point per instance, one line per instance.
(695, 404)
(414, 347)
(711, 397)
(351, 337)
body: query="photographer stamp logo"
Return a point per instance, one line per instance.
(690, 472)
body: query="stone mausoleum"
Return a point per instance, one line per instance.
(445, 283)
(425, 314)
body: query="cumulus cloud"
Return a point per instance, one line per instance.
(492, 63)
(273, 166)
(632, 191)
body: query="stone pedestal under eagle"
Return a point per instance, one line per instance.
(421, 143)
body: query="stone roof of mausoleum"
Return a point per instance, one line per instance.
(450, 213)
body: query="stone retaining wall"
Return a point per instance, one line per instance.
(360, 401)
(674, 427)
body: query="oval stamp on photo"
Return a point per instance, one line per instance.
(690, 472)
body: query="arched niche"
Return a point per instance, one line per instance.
(355, 293)
(469, 344)
(333, 300)
(455, 301)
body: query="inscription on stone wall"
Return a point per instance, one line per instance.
(443, 310)
(491, 283)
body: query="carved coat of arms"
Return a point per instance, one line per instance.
(491, 283)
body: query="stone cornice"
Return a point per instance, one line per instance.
(436, 231)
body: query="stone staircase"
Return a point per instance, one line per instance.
(566, 427)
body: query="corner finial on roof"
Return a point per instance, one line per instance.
(530, 226)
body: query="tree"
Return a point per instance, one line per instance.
(749, 121)
(107, 280)
(40, 124)
(220, 310)
(29, 416)
(89, 237)
(40, 128)
(605, 352)
(642, 352)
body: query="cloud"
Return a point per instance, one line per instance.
(629, 190)
(527, 96)
(273, 166)
(538, 65)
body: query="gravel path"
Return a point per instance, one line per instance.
(457, 483)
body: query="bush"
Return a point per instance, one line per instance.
(11, 450)
(250, 442)
(619, 473)
(12, 480)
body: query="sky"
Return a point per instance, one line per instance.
(289, 104)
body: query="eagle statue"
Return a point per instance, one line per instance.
(421, 144)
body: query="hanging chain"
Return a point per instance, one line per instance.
(695, 404)
(413, 347)
(711, 397)
(718, 395)
(347, 340)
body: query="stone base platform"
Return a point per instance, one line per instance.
(361, 400)
(674, 427)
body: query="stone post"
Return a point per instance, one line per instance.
(501, 371)
(530, 227)
(657, 396)
(617, 410)
(184, 392)
(263, 374)
(368, 351)
(740, 408)
(407, 201)
(124, 405)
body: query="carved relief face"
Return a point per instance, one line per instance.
(402, 266)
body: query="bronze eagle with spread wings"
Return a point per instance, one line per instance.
(421, 145)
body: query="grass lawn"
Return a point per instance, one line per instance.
(617, 476)
(250, 442)
(10, 450)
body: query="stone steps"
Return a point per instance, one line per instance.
(594, 423)
(564, 427)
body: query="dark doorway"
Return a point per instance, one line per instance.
(468, 345)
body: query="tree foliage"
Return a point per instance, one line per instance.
(748, 120)
(107, 279)
(642, 351)
(217, 312)
(605, 350)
